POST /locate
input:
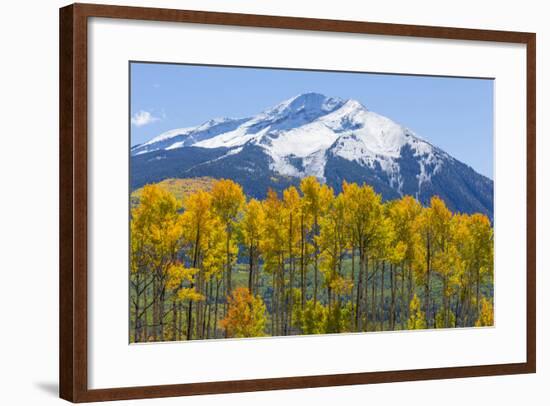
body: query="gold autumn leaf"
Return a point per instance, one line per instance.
(190, 294)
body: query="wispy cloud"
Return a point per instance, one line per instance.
(143, 117)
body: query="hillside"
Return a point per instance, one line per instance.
(180, 188)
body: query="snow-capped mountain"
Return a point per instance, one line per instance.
(314, 135)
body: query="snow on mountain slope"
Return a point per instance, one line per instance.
(290, 114)
(308, 125)
(303, 135)
(185, 137)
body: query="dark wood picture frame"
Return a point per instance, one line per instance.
(73, 200)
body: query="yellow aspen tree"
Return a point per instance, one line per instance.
(273, 250)
(213, 263)
(141, 276)
(444, 257)
(305, 224)
(313, 318)
(425, 226)
(482, 251)
(245, 316)
(381, 252)
(197, 221)
(227, 202)
(463, 273)
(364, 217)
(251, 229)
(474, 242)
(486, 315)
(332, 242)
(316, 198)
(403, 214)
(158, 210)
(180, 288)
(291, 208)
(393, 251)
(417, 319)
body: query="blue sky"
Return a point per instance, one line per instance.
(455, 114)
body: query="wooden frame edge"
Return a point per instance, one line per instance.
(257, 385)
(531, 174)
(73, 201)
(298, 23)
(66, 299)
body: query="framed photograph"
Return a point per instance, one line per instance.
(255, 202)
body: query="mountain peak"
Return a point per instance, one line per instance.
(353, 104)
(309, 95)
(311, 98)
(310, 102)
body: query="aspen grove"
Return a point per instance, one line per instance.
(217, 264)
